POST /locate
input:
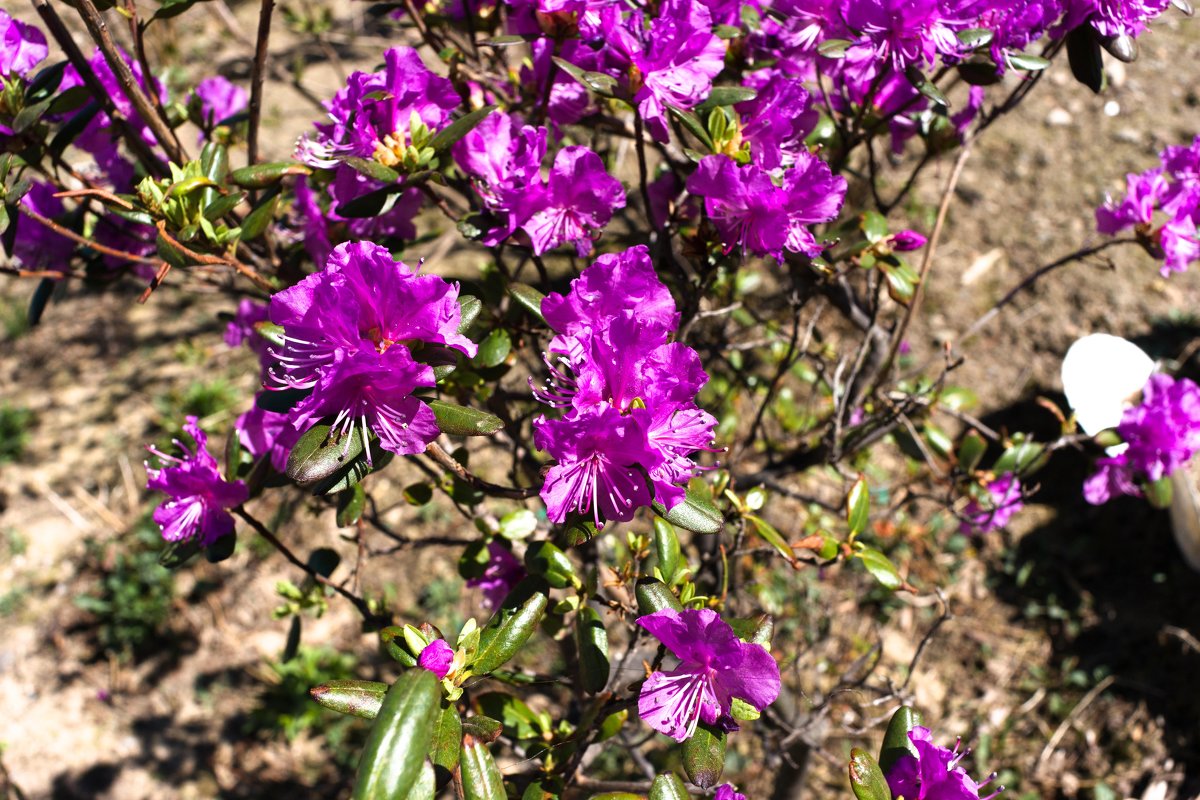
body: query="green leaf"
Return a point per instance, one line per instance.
(528, 298)
(881, 568)
(483, 728)
(503, 41)
(874, 226)
(280, 401)
(392, 639)
(260, 176)
(372, 169)
(895, 740)
(315, 457)
(221, 549)
(1159, 492)
(45, 83)
(469, 308)
(481, 778)
(172, 8)
(1026, 62)
(598, 82)
(769, 534)
(727, 96)
(357, 698)
(418, 494)
(1085, 58)
(518, 524)
(858, 506)
(547, 560)
(512, 624)
(666, 547)
(925, 86)
(426, 786)
(901, 281)
(694, 513)
(653, 595)
(692, 125)
(668, 786)
(971, 451)
(459, 420)
(494, 348)
(176, 554)
(258, 220)
(866, 779)
(350, 504)
(1022, 458)
(591, 640)
(456, 130)
(397, 744)
(834, 48)
(447, 739)
(704, 755)
(29, 116)
(975, 37)
(75, 126)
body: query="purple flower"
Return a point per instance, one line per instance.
(672, 63)
(199, 496)
(374, 391)
(437, 658)
(502, 573)
(1162, 433)
(1143, 193)
(376, 106)
(219, 99)
(726, 792)
(777, 119)
(267, 433)
(98, 137)
(613, 284)
(22, 46)
(348, 331)
(1113, 17)
(579, 199)
(715, 667)
(37, 246)
(505, 162)
(312, 222)
(907, 240)
(1004, 500)
(397, 222)
(933, 774)
(903, 32)
(598, 455)
(630, 424)
(241, 328)
(751, 212)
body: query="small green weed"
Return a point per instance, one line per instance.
(15, 422)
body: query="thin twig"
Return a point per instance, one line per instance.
(75, 237)
(256, 80)
(512, 492)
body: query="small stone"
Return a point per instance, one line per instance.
(1058, 118)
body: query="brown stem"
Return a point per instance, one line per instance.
(144, 153)
(98, 28)
(256, 80)
(205, 258)
(137, 30)
(262, 530)
(445, 460)
(75, 237)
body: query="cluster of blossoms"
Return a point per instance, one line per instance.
(1004, 499)
(935, 773)
(630, 421)
(1171, 190)
(351, 332)
(576, 200)
(1160, 435)
(715, 667)
(199, 496)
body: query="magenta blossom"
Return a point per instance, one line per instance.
(437, 656)
(934, 773)
(502, 573)
(672, 63)
(376, 106)
(715, 667)
(36, 246)
(199, 496)
(752, 213)
(726, 792)
(776, 121)
(630, 423)
(1162, 433)
(22, 46)
(267, 433)
(219, 99)
(578, 201)
(1004, 500)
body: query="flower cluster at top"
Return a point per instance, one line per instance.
(630, 421)
(934, 773)
(715, 667)
(351, 335)
(1173, 192)
(198, 495)
(1161, 434)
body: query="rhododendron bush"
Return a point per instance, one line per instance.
(679, 347)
